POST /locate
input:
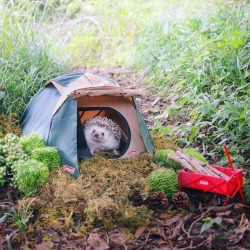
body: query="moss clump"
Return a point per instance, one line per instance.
(162, 141)
(48, 155)
(100, 193)
(30, 175)
(31, 142)
(194, 153)
(161, 157)
(164, 180)
(9, 124)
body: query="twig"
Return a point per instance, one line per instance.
(177, 229)
(190, 228)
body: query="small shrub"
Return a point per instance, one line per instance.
(164, 180)
(31, 142)
(48, 155)
(30, 175)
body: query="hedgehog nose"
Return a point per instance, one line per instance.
(96, 136)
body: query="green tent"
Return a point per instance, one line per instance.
(58, 110)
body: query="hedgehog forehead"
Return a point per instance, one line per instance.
(98, 129)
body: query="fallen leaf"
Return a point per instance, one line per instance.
(229, 221)
(140, 231)
(46, 245)
(237, 234)
(96, 242)
(77, 236)
(226, 213)
(118, 239)
(173, 220)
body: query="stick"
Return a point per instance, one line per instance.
(183, 162)
(216, 171)
(196, 162)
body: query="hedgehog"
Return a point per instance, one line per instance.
(102, 133)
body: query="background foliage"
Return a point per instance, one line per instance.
(195, 52)
(202, 63)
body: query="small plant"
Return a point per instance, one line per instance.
(30, 175)
(31, 142)
(10, 153)
(48, 155)
(208, 222)
(164, 180)
(246, 191)
(20, 216)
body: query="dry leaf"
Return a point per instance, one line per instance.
(46, 245)
(140, 231)
(96, 242)
(118, 239)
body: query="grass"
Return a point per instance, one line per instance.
(196, 53)
(201, 61)
(43, 39)
(25, 63)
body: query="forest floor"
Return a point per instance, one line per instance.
(206, 223)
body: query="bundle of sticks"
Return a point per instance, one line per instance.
(194, 165)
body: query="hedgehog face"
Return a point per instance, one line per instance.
(99, 134)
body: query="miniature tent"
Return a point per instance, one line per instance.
(58, 110)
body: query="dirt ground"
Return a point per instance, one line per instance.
(205, 223)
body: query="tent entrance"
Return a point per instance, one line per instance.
(89, 112)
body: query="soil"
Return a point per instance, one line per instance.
(205, 222)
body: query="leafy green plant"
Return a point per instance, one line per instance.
(207, 76)
(246, 191)
(19, 216)
(48, 155)
(164, 180)
(30, 175)
(208, 222)
(31, 141)
(10, 153)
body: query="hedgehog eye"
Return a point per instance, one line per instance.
(102, 134)
(94, 131)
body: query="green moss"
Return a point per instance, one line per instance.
(48, 155)
(164, 180)
(194, 153)
(30, 175)
(31, 142)
(161, 157)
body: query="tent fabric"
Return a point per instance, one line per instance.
(54, 112)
